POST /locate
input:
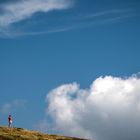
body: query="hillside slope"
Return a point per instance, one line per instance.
(23, 134)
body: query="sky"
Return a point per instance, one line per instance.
(71, 67)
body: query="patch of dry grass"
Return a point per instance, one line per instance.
(23, 134)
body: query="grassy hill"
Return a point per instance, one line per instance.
(23, 134)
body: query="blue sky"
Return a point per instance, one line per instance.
(62, 42)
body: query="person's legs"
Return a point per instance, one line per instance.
(10, 123)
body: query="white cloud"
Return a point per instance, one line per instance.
(9, 107)
(108, 110)
(19, 10)
(23, 9)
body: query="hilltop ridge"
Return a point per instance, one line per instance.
(23, 134)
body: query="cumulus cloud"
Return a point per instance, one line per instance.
(108, 110)
(23, 9)
(9, 107)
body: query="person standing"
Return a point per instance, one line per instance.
(10, 120)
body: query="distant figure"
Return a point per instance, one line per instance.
(10, 120)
